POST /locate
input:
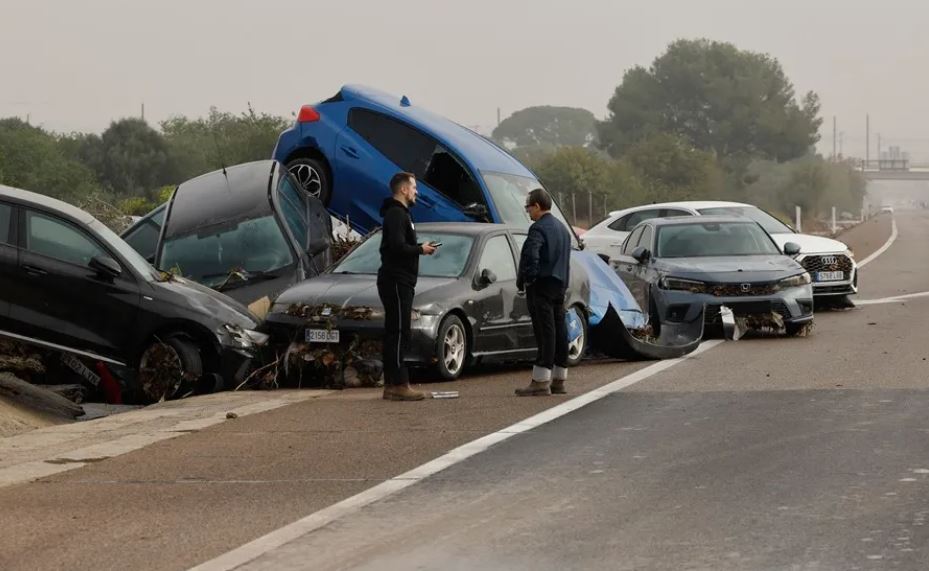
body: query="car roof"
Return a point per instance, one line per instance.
(239, 192)
(691, 204)
(47, 202)
(684, 220)
(482, 153)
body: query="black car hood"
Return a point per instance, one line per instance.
(348, 290)
(199, 298)
(730, 268)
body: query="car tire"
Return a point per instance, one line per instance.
(451, 348)
(578, 348)
(168, 367)
(313, 177)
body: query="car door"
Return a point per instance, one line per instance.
(624, 225)
(69, 303)
(372, 149)
(628, 267)
(639, 284)
(522, 318)
(494, 303)
(9, 260)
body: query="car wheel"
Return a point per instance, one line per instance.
(313, 178)
(168, 368)
(578, 347)
(452, 344)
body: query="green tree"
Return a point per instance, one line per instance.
(221, 139)
(31, 159)
(547, 128)
(670, 169)
(718, 98)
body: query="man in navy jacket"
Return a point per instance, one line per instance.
(544, 272)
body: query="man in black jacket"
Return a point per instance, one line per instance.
(396, 283)
(544, 272)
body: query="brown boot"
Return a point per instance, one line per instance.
(558, 387)
(402, 392)
(535, 389)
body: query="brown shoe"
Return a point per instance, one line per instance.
(402, 392)
(535, 389)
(558, 387)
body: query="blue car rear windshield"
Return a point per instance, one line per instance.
(448, 261)
(714, 239)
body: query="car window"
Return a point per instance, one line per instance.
(632, 240)
(59, 240)
(669, 212)
(294, 209)
(448, 261)
(630, 221)
(714, 239)
(6, 216)
(645, 239)
(144, 236)
(447, 175)
(406, 147)
(498, 258)
(211, 255)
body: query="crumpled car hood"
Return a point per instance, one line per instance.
(207, 301)
(731, 268)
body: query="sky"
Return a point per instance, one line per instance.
(76, 66)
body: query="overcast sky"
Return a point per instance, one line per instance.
(77, 65)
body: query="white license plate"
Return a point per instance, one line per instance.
(322, 335)
(830, 276)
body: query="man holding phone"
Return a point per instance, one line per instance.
(396, 283)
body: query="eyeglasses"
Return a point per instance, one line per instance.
(528, 206)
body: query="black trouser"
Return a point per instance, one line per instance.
(546, 307)
(397, 299)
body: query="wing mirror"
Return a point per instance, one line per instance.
(641, 254)
(604, 257)
(487, 277)
(477, 211)
(106, 267)
(791, 248)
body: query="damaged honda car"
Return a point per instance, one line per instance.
(672, 265)
(466, 309)
(244, 230)
(68, 283)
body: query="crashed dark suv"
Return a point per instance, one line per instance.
(68, 283)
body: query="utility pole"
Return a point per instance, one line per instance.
(834, 156)
(867, 139)
(878, 151)
(143, 111)
(498, 116)
(841, 142)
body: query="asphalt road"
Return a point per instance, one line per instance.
(758, 454)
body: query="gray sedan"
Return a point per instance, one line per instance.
(670, 263)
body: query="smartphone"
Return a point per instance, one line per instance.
(436, 244)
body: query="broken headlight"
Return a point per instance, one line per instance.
(795, 281)
(681, 284)
(245, 338)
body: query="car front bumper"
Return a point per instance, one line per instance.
(818, 263)
(794, 305)
(286, 329)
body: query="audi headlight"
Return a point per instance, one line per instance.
(795, 281)
(681, 284)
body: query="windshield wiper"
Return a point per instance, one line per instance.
(244, 276)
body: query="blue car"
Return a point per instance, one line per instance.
(344, 151)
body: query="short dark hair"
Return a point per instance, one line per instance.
(540, 197)
(400, 179)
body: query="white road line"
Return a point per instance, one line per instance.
(893, 299)
(255, 549)
(882, 249)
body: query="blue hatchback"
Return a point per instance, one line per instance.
(345, 150)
